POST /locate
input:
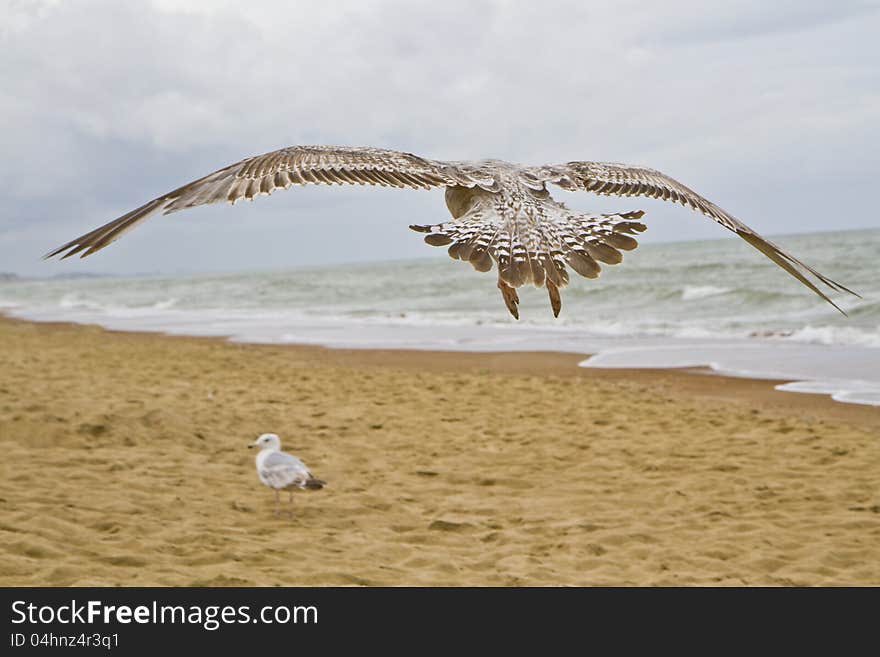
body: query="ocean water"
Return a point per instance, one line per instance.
(712, 303)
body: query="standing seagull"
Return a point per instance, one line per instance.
(502, 213)
(280, 470)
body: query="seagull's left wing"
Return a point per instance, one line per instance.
(294, 165)
(611, 179)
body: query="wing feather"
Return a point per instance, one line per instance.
(263, 174)
(612, 179)
(280, 470)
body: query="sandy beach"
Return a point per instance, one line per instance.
(125, 463)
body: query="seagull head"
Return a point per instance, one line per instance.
(267, 441)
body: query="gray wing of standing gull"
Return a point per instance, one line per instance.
(281, 470)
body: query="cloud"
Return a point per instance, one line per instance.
(767, 108)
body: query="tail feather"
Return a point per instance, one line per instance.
(531, 247)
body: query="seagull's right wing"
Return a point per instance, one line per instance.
(613, 179)
(295, 165)
(280, 470)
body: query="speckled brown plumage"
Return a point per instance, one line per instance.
(502, 213)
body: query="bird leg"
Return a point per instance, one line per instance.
(511, 298)
(277, 503)
(290, 502)
(555, 299)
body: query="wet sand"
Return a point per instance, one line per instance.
(125, 463)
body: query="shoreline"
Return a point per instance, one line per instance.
(676, 306)
(125, 464)
(540, 362)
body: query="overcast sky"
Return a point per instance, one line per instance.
(770, 109)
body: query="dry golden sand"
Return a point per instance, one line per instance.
(124, 463)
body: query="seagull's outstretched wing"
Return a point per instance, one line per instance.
(610, 179)
(295, 165)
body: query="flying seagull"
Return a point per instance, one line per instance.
(280, 470)
(502, 213)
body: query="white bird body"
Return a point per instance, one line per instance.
(280, 470)
(502, 213)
